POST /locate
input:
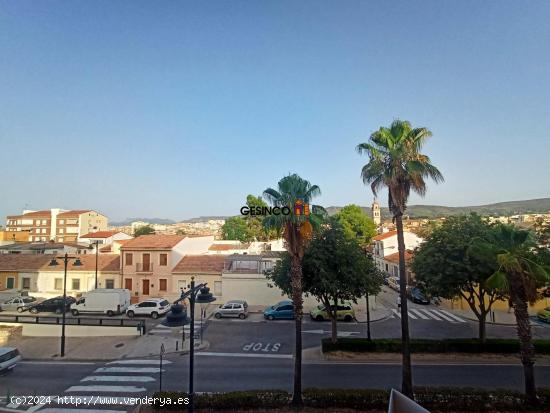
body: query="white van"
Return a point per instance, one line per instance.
(9, 356)
(108, 301)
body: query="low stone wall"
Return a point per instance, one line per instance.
(53, 330)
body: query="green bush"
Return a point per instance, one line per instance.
(442, 398)
(507, 346)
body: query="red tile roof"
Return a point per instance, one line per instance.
(153, 241)
(200, 264)
(73, 213)
(227, 247)
(44, 213)
(30, 262)
(395, 257)
(100, 234)
(385, 235)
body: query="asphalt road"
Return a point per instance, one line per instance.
(227, 373)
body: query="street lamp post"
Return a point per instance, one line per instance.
(96, 258)
(53, 263)
(198, 294)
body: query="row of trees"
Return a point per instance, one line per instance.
(489, 263)
(470, 258)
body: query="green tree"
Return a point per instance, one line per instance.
(256, 229)
(335, 269)
(444, 268)
(144, 230)
(235, 228)
(395, 162)
(356, 224)
(297, 231)
(511, 252)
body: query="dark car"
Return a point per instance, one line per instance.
(54, 305)
(417, 296)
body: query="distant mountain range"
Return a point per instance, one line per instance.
(541, 205)
(128, 221)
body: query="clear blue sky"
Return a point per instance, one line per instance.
(176, 108)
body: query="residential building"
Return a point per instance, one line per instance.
(56, 248)
(147, 262)
(34, 274)
(205, 268)
(385, 245)
(103, 238)
(56, 224)
(12, 237)
(390, 264)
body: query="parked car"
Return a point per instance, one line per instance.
(344, 312)
(153, 307)
(18, 304)
(234, 308)
(544, 315)
(281, 310)
(417, 296)
(9, 356)
(108, 301)
(54, 305)
(393, 283)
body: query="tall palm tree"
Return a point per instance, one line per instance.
(512, 252)
(395, 162)
(297, 231)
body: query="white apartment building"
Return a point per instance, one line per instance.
(56, 224)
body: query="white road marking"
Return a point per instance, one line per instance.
(127, 370)
(56, 362)
(119, 378)
(140, 362)
(397, 313)
(440, 314)
(314, 331)
(113, 389)
(460, 320)
(412, 316)
(418, 313)
(272, 356)
(431, 314)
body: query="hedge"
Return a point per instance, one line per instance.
(458, 399)
(390, 345)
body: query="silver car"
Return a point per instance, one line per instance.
(18, 304)
(234, 308)
(9, 356)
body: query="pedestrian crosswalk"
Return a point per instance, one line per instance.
(109, 388)
(425, 314)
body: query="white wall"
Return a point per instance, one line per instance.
(52, 330)
(190, 246)
(255, 290)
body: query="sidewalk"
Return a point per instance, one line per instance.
(95, 348)
(498, 317)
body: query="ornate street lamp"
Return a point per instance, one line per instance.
(53, 263)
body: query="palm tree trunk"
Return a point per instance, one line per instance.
(296, 279)
(406, 385)
(526, 349)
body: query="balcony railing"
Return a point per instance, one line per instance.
(144, 267)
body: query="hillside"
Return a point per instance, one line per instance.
(541, 205)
